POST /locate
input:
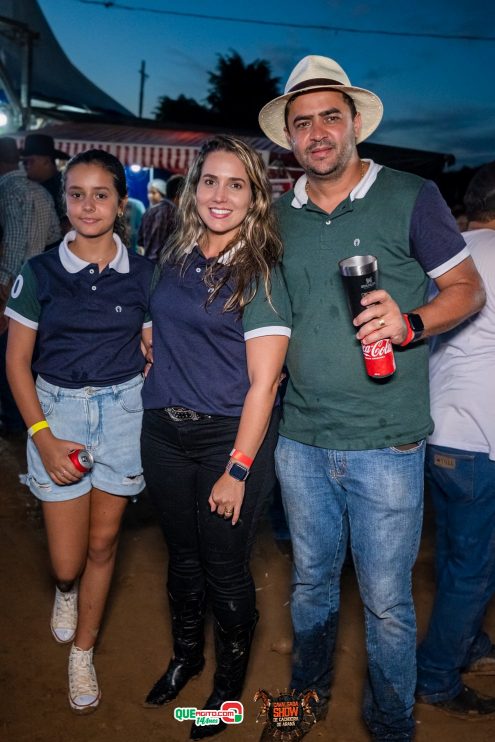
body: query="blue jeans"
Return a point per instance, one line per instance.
(374, 499)
(462, 485)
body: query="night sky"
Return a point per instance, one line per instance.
(438, 93)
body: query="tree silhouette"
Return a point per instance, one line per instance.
(237, 91)
(182, 110)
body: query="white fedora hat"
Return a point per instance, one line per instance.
(317, 73)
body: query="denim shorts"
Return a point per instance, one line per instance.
(107, 422)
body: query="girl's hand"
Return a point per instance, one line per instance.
(148, 354)
(226, 497)
(54, 454)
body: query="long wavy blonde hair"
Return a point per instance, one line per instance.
(258, 244)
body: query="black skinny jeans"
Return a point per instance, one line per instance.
(182, 461)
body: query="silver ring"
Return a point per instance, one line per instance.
(381, 322)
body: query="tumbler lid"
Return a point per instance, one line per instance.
(358, 265)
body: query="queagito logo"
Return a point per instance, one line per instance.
(230, 712)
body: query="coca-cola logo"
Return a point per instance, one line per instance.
(377, 350)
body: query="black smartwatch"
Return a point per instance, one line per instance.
(415, 328)
(237, 471)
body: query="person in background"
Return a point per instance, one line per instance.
(134, 212)
(85, 306)
(460, 467)
(157, 191)
(39, 157)
(28, 223)
(210, 426)
(158, 223)
(350, 454)
(459, 213)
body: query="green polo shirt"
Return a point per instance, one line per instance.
(330, 401)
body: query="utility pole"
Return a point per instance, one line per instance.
(144, 77)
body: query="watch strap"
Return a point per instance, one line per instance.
(415, 328)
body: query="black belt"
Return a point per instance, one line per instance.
(179, 414)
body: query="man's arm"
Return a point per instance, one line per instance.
(461, 294)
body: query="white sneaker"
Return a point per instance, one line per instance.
(63, 622)
(84, 693)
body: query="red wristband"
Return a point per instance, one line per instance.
(241, 458)
(410, 331)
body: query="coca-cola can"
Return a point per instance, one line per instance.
(379, 358)
(82, 459)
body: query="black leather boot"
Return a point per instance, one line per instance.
(232, 649)
(188, 614)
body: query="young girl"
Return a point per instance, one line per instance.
(85, 306)
(208, 429)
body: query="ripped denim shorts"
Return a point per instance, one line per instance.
(104, 420)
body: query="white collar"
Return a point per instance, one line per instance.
(361, 189)
(73, 264)
(223, 259)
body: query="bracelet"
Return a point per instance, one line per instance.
(241, 458)
(37, 426)
(410, 331)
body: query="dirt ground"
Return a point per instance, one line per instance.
(134, 645)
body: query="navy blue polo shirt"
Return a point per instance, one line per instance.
(199, 351)
(88, 323)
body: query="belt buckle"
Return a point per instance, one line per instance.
(179, 414)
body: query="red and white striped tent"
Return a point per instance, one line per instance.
(168, 149)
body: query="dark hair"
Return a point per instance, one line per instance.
(479, 198)
(113, 166)
(174, 184)
(347, 99)
(257, 242)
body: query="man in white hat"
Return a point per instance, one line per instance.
(351, 451)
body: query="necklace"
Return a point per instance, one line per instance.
(108, 257)
(361, 175)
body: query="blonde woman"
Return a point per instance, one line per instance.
(209, 427)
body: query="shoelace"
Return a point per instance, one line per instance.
(82, 675)
(65, 610)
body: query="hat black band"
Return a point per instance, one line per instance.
(315, 82)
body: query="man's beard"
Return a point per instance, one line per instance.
(334, 170)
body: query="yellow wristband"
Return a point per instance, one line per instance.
(37, 426)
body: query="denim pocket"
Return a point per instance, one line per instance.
(408, 451)
(131, 399)
(452, 472)
(47, 401)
